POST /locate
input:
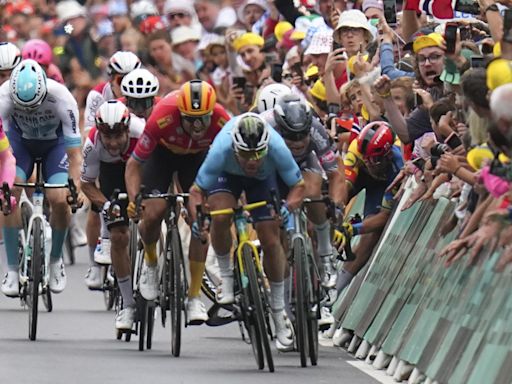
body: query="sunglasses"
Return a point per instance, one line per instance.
(295, 136)
(197, 121)
(177, 15)
(252, 155)
(140, 105)
(108, 129)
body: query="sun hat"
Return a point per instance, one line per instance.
(353, 19)
(246, 39)
(183, 34)
(69, 9)
(499, 72)
(321, 43)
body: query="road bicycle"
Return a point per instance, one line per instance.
(34, 266)
(251, 293)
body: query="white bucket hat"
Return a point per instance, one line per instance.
(69, 9)
(183, 33)
(353, 19)
(261, 3)
(321, 43)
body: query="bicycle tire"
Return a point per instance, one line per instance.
(255, 298)
(151, 325)
(246, 312)
(35, 278)
(301, 306)
(142, 308)
(208, 287)
(110, 291)
(176, 292)
(314, 302)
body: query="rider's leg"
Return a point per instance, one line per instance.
(93, 278)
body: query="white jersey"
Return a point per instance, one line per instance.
(95, 153)
(57, 115)
(96, 96)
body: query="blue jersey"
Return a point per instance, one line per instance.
(221, 158)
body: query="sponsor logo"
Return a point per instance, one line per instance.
(221, 122)
(164, 121)
(72, 119)
(64, 163)
(145, 142)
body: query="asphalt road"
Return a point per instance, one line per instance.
(76, 344)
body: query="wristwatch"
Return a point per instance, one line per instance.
(492, 8)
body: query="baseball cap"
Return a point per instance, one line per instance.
(499, 72)
(426, 41)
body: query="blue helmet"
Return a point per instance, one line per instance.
(28, 84)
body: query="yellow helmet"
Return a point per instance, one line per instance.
(196, 98)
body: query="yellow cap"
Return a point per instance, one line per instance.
(246, 39)
(318, 90)
(476, 157)
(298, 35)
(499, 72)
(426, 41)
(352, 61)
(311, 71)
(281, 28)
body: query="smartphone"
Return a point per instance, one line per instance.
(417, 100)
(468, 6)
(477, 62)
(277, 72)
(239, 82)
(419, 163)
(390, 12)
(450, 37)
(453, 141)
(507, 26)
(465, 33)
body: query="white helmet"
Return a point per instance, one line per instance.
(250, 133)
(112, 116)
(10, 56)
(28, 84)
(139, 84)
(267, 97)
(123, 62)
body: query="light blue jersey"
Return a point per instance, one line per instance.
(221, 158)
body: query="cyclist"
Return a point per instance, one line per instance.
(41, 52)
(372, 163)
(106, 149)
(246, 156)
(120, 64)
(139, 89)
(42, 117)
(178, 133)
(315, 154)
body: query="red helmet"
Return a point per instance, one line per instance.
(375, 141)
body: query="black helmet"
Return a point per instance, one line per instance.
(250, 133)
(293, 117)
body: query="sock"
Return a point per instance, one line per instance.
(104, 232)
(286, 291)
(11, 247)
(92, 263)
(58, 237)
(276, 296)
(125, 286)
(323, 235)
(196, 278)
(224, 262)
(150, 255)
(344, 279)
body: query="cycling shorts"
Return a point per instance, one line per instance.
(375, 192)
(111, 178)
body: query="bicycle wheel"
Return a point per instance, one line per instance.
(257, 313)
(151, 325)
(301, 314)
(175, 288)
(313, 283)
(142, 308)
(35, 278)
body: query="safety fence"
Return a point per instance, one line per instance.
(425, 322)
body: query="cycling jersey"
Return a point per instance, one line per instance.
(56, 117)
(319, 143)
(221, 158)
(164, 127)
(97, 96)
(53, 72)
(94, 153)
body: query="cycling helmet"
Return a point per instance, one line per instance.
(293, 117)
(250, 133)
(196, 98)
(139, 84)
(123, 62)
(112, 117)
(268, 96)
(38, 50)
(28, 84)
(10, 56)
(375, 141)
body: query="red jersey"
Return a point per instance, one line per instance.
(164, 127)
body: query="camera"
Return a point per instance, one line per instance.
(439, 149)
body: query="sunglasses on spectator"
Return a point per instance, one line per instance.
(252, 155)
(434, 58)
(177, 15)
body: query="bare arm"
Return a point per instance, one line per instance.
(75, 162)
(295, 196)
(133, 177)
(93, 194)
(397, 120)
